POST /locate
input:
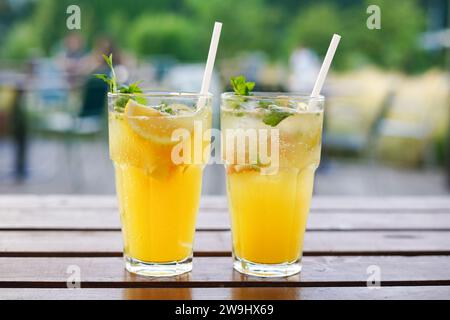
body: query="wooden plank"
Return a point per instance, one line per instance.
(409, 203)
(325, 271)
(108, 219)
(345, 221)
(436, 203)
(60, 218)
(358, 293)
(57, 201)
(107, 243)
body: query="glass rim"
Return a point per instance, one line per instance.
(258, 96)
(166, 94)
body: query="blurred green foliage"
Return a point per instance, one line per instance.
(313, 26)
(182, 28)
(247, 25)
(164, 34)
(395, 45)
(20, 42)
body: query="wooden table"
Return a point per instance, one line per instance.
(45, 239)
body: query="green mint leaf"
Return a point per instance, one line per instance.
(132, 88)
(120, 104)
(108, 60)
(275, 116)
(103, 77)
(122, 101)
(140, 99)
(111, 81)
(164, 108)
(106, 79)
(264, 104)
(168, 110)
(241, 86)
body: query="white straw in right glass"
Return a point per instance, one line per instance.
(325, 65)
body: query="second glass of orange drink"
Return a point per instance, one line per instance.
(271, 149)
(158, 194)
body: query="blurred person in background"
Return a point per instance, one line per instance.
(95, 90)
(304, 65)
(71, 56)
(94, 62)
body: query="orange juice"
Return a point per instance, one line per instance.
(269, 210)
(269, 214)
(158, 199)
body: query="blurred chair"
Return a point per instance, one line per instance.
(407, 130)
(344, 129)
(404, 142)
(357, 101)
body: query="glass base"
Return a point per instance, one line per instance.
(149, 269)
(266, 270)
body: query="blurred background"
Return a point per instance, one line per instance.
(387, 112)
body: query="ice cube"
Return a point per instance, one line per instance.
(249, 104)
(301, 106)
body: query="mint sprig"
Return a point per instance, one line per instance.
(275, 115)
(265, 104)
(132, 88)
(111, 80)
(241, 86)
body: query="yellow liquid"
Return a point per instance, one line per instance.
(157, 227)
(269, 212)
(158, 200)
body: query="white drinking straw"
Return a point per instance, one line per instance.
(211, 58)
(325, 65)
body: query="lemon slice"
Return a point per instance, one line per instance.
(158, 126)
(135, 109)
(144, 121)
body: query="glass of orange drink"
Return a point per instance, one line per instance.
(271, 149)
(159, 146)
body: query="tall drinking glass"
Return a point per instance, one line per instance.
(271, 149)
(158, 163)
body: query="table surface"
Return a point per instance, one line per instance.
(46, 240)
